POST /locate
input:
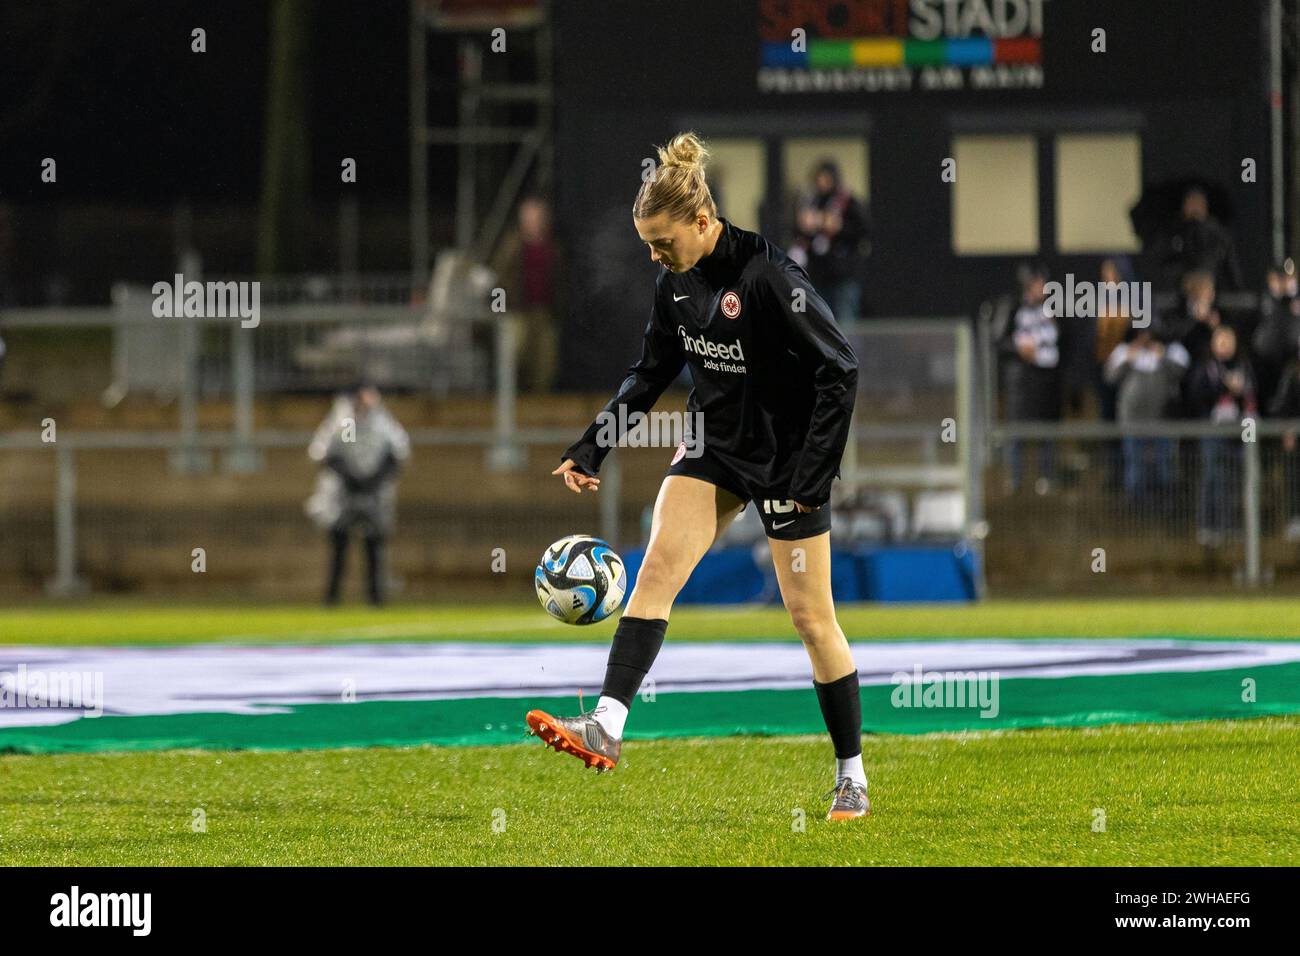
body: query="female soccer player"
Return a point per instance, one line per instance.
(774, 384)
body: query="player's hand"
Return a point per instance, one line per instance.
(804, 509)
(574, 479)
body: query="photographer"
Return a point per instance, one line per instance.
(361, 447)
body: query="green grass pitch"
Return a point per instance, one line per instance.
(1219, 793)
(1186, 794)
(130, 622)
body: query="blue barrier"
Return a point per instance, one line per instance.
(741, 575)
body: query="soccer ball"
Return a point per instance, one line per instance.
(580, 580)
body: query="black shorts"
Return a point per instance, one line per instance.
(781, 519)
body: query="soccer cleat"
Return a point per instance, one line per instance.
(850, 800)
(582, 736)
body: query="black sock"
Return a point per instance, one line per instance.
(636, 645)
(375, 569)
(338, 558)
(842, 711)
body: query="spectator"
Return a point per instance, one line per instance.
(1286, 404)
(1146, 374)
(1193, 320)
(1276, 336)
(1107, 331)
(1031, 372)
(528, 266)
(1200, 243)
(361, 447)
(1221, 389)
(831, 240)
(1111, 329)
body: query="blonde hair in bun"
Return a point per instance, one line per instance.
(677, 187)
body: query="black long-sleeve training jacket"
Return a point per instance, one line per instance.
(774, 377)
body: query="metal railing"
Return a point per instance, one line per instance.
(116, 495)
(138, 501)
(1164, 502)
(121, 518)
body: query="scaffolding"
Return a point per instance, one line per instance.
(486, 121)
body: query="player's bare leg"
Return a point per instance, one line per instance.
(803, 569)
(689, 515)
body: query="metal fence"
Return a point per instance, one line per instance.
(105, 511)
(1083, 508)
(1101, 507)
(123, 510)
(1063, 508)
(1095, 508)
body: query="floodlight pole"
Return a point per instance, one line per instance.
(1276, 175)
(419, 117)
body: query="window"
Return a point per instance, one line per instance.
(801, 154)
(737, 175)
(995, 197)
(1098, 179)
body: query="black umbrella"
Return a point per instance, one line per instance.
(1160, 208)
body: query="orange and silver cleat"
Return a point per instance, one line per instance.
(850, 800)
(582, 736)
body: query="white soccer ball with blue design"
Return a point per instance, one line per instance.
(580, 580)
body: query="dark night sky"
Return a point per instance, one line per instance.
(114, 93)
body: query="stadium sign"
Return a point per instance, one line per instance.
(810, 46)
